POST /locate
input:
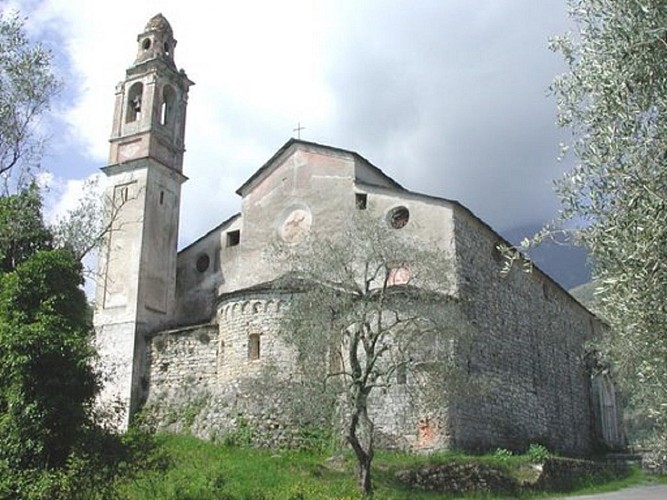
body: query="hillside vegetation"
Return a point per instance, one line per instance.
(183, 467)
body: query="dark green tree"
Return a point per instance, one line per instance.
(22, 230)
(49, 446)
(46, 382)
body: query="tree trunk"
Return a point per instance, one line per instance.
(364, 476)
(362, 445)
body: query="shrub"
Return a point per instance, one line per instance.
(538, 453)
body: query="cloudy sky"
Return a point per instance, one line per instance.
(448, 97)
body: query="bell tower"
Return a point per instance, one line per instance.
(135, 291)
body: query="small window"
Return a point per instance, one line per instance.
(161, 197)
(401, 374)
(146, 44)
(335, 360)
(253, 347)
(203, 261)
(164, 112)
(497, 253)
(233, 238)
(361, 200)
(166, 48)
(399, 217)
(121, 195)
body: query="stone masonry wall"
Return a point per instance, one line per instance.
(202, 381)
(528, 351)
(182, 360)
(239, 318)
(529, 346)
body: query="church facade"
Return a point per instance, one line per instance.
(191, 331)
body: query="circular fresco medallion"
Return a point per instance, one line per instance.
(296, 225)
(399, 276)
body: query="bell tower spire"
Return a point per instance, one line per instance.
(156, 41)
(135, 292)
(149, 116)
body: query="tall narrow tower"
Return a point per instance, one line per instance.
(137, 266)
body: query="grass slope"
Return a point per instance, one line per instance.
(203, 470)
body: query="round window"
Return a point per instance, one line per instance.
(398, 217)
(146, 44)
(203, 262)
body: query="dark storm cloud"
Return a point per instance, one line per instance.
(450, 99)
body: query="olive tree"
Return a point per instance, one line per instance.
(27, 85)
(372, 308)
(614, 101)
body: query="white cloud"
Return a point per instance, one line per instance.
(447, 97)
(62, 196)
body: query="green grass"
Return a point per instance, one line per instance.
(203, 470)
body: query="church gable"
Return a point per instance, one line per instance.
(321, 160)
(304, 183)
(285, 164)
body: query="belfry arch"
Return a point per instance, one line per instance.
(167, 106)
(134, 102)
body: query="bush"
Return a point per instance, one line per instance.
(538, 453)
(47, 384)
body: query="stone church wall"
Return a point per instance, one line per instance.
(530, 337)
(181, 360)
(215, 379)
(197, 279)
(242, 318)
(404, 420)
(206, 381)
(203, 380)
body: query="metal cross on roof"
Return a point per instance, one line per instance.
(298, 130)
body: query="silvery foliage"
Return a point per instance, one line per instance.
(27, 85)
(372, 306)
(614, 100)
(349, 298)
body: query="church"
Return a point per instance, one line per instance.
(184, 333)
